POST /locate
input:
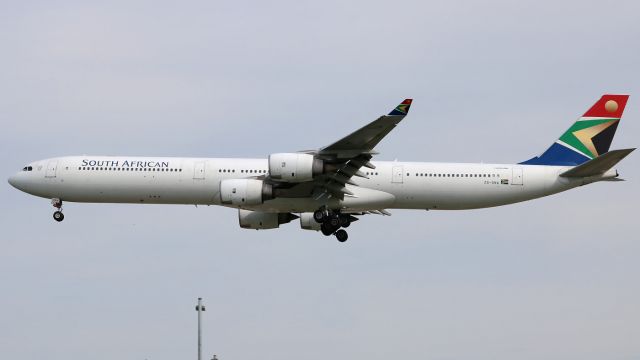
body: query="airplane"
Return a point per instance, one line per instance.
(329, 188)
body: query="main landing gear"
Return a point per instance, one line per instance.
(58, 215)
(331, 222)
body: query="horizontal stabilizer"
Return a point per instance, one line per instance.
(599, 165)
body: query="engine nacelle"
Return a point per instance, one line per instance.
(294, 167)
(241, 192)
(259, 220)
(307, 222)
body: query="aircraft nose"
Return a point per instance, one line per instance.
(13, 180)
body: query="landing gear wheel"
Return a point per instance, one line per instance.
(58, 216)
(345, 221)
(318, 216)
(334, 221)
(342, 235)
(326, 229)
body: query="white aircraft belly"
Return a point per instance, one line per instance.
(377, 192)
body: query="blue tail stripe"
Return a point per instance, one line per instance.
(558, 155)
(396, 112)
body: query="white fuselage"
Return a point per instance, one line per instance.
(391, 185)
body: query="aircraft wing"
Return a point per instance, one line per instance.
(342, 160)
(346, 156)
(366, 138)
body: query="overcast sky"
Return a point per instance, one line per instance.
(493, 81)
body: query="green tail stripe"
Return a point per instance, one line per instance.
(570, 139)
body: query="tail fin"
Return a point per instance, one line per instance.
(587, 138)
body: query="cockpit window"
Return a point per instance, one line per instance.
(28, 168)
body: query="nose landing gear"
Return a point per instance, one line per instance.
(58, 215)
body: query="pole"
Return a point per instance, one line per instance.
(200, 308)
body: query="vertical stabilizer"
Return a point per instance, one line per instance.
(587, 138)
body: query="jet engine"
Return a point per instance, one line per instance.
(294, 167)
(259, 220)
(241, 192)
(307, 222)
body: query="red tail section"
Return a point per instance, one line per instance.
(609, 106)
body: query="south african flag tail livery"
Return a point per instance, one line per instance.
(589, 137)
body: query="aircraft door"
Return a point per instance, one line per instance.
(52, 167)
(396, 174)
(517, 176)
(198, 170)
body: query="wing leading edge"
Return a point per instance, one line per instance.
(363, 140)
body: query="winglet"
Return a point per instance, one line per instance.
(403, 108)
